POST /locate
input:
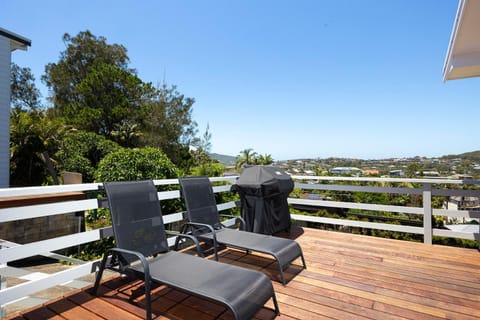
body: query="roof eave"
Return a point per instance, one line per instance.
(447, 67)
(16, 41)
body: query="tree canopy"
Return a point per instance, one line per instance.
(250, 157)
(169, 125)
(98, 105)
(95, 90)
(24, 94)
(92, 86)
(83, 53)
(34, 134)
(82, 151)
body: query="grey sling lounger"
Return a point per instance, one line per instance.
(204, 222)
(142, 251)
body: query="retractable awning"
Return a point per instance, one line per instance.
(463, 55)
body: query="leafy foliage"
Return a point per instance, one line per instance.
(24, 94)
(26, 165)
(109, 98)
(136, 164)
(126, 134)
(250, 157)
(83, 52)
(203, 164)
(211, 169)
(34, 135)
(169, 125)
(93, 88)
(34, 138)
(139, 164)
(82, 151)
(472, 156)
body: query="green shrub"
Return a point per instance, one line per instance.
(81, 152)
(135, 164)
(140, 164)
(127, 165)
(209, 169)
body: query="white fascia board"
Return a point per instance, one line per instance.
(447, 67)
(464, 66)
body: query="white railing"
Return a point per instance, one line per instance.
(429, 187)
(11, 251)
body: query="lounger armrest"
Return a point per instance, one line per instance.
(186, 236)
(203, 225)
(119, 251)
(141, 257)
(196, 224)
(237, 219)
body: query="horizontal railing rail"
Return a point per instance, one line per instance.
(426, 188)
(12, 252)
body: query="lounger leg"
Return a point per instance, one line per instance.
(275, 304)
(215, 250)
(177, 241)
(99, 274)
(303, 261)
(148, 299)
(281, 276)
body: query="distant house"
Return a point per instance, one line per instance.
(309, 172)
(462, 177)
(345, 171)
(431, 174)
(9, 42)
(371, 172)
(463, 203)
(396, 173)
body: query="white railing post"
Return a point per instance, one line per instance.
(427, 213)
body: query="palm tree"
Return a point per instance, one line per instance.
(265, 159)
(126, 134)
(26, 166)
(50, 132)
(34, 137)
(246, 156)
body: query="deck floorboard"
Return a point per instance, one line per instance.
(347, 277)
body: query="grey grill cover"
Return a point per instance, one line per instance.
(263, 193)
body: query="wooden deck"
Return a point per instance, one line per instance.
(348, 277)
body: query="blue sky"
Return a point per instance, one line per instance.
(294, 79)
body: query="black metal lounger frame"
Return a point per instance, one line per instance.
(149, 233)
(208, 216)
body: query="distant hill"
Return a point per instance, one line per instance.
(224, 159)
(231, 160)
(473, 156)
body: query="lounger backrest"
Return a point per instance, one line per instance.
(200, 200)
(136, 217)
